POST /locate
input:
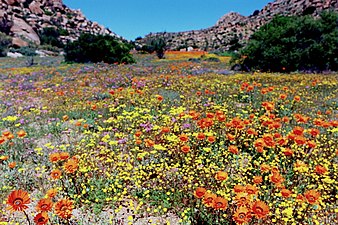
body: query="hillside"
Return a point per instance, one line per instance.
(234, 28)
(23, 19)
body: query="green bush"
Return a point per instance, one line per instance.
(27, 51)
(5, 41)
(50, 36)
(98, 48)
(294, 43)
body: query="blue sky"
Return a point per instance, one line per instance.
(133, 18)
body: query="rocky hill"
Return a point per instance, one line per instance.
(234, 28)
(24, 19)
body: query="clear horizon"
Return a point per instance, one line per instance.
(131, 19)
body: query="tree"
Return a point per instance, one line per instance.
(5, 41)
(294, 43)
(98, 48)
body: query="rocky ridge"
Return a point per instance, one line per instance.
(234, 28)
(24, 19)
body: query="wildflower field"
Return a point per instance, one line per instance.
(166, 142)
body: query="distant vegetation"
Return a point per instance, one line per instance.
(51, 36)
(5, 41)
(98, 48)
(157, 45)
(294, 43)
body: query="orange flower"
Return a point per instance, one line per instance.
(221, 175)
(230, 137)
(265, 168)
(220, 203)
(12, 165)
(159, 98)
(314, 132)
(319, 169)
(18, 200)
(165, 129)
(64, 155)
(138, 141)
(296, 98)
(2, 140)
(55, 174)
(70, 166)
(209, 198)
(286, 193)
(287, 152)
(44, 205)
(41, 218)
(51, 193)
(268, 140)
(4, 157)
(243, 199)
(200, 136)
(242, 215)
(260, 209)
(54, 157)
(239, 188)
(211, 139)
(251, 189)
(183, 137)
(138, 133)
(199, 192)
(258, 179)
(312, 196)
(21, 133)
(6, 133)
(300, 140)
(283, 96)
(233, 149)
(298, 130)
(65, 118)
(276, 178)
(63, 208)
(185, 148)
(251, 131)
(311, 144)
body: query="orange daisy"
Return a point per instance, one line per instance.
(18, 200)
(63, 208)
(41, 218)
(70, 166)
(55, 174)
(260, 209)
(44, 205)
(242, 215)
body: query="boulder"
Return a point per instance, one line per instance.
(14, 54)
(35, 8)
(21, 28)
(18, 42)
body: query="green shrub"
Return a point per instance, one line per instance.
(5, 41)
(156, 44)
(294, 43)
(50, 36)
(27, 51)
(98, 48)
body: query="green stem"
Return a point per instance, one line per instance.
(29, 223)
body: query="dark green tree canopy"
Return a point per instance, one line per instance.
(295, 43)
(98, 48)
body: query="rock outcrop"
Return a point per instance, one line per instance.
(234, 28)
(24, 19)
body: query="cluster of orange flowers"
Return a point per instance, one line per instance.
(70, 166)
(245, 205)
(18, 200)
(7, 136)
